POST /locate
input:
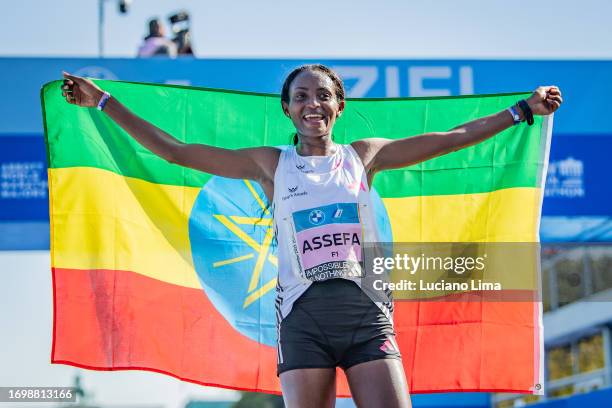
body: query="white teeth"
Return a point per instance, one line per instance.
(313, 117)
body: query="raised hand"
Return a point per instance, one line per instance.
(545, 100)
(81, 91)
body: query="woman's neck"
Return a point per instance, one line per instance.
(316, 146)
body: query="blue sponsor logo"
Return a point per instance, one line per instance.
(316, 217)
(339, 213)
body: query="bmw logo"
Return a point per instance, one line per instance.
(316, 217)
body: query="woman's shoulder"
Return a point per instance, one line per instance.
(362, 148)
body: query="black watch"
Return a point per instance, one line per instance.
(527, 113)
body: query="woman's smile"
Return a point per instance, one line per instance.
(314, 119)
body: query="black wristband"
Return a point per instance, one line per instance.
(527, 113)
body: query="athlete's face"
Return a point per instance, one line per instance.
(313, 106)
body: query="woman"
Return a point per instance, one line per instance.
(320, 187)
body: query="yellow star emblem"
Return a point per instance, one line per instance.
(260, 249)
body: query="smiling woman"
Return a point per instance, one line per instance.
(313, 113)
(323, 210)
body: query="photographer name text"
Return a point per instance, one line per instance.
(439, 286)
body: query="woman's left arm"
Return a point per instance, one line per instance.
(382, 154)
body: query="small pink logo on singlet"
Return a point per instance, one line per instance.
(388, 347)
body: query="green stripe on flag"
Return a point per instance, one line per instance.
(231, 119)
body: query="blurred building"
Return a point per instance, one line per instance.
(577, 291)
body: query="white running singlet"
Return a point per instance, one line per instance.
(322, 216)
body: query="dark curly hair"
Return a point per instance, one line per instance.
(338, 85)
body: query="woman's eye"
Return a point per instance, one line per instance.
(325, 96)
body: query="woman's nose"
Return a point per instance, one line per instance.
(313, 102)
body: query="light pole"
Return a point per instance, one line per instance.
(100, 28)
(123, 9)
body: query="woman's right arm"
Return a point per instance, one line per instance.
(253, 163)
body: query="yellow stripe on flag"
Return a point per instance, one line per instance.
(507, 215)
(122, 223)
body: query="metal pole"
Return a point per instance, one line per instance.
(101, 28)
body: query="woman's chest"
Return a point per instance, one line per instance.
(299, 191)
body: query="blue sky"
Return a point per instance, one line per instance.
(340, 28)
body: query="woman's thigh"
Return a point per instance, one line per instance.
(379, 383)
(309, 387)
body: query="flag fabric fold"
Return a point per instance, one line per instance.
(163, 268)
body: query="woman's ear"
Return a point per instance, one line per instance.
(285, 107)
(340, 108)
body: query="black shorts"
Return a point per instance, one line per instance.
(334, 324)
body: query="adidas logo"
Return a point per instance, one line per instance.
(388, 347)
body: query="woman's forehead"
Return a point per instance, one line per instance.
(312, 80)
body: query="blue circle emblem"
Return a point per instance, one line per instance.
(316, 217)
(235, 256)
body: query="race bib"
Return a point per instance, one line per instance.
(328, 241)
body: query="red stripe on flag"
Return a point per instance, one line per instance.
(117, 320)
(121, 320)
(472, 346)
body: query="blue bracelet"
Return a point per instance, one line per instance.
(515, 115)
(105, 97)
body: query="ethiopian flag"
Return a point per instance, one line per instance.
(164, 268)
